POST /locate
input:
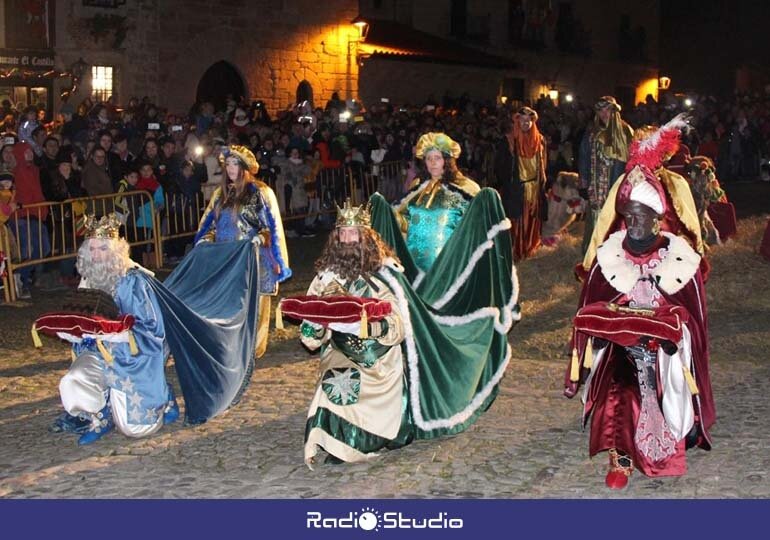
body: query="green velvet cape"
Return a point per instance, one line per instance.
(457, 315)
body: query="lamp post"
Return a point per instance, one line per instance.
(363, 27)
(78, 70)
(363, 30)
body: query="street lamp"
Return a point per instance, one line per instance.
(78, 69)
(553, 93)
(363, 31)
(664, 83)
(362, 25)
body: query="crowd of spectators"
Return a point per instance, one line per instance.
(104, 148)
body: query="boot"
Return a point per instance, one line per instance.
(621, 468)
(65, 422)
(171, 412)
(101, 424)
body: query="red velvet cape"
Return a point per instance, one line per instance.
(693, 298)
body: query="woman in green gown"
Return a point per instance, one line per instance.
(458, 292)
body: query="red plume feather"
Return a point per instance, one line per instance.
(651, 152)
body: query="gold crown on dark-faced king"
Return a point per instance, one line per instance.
(353, 216)
(106, 227)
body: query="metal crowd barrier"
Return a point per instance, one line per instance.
(60, 223)
(52, 231)
(334, 186)
(179, 218)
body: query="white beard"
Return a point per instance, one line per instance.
(103, 276)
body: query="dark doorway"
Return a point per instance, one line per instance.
(219, 81)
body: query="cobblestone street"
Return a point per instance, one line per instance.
(528, 445)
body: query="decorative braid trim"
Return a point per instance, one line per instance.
(615, 465)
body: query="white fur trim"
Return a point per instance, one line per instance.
(414, 374)
(503, 318)
(418, 279)
(393, 264)
(504, 225)
(676, 268)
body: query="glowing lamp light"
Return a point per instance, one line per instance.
(688, 102)
(553, 93)
(568, 98)
(345, 115)
(362, 25)
(503, 99)
(664, 83)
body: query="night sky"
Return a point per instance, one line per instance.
(703, 42)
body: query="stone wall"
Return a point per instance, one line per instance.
(135, 59)
(274, 45)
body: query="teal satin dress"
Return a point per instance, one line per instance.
(430, 228)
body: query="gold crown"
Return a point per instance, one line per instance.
(106, 227)
(353, 216)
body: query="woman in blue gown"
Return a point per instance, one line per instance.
(244, 208)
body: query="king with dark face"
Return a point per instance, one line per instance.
(641, 221)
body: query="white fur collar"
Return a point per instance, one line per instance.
(677, 267)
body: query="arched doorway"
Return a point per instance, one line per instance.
(305, 93)
(219, 80)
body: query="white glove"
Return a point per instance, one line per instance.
(346, 328)
(257, 240)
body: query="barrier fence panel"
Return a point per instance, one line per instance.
(387, 178)
(52, 231)
(178, 220)
(333, 186)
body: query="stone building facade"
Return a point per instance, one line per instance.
(168, 49)
(582, 47)
(170, 44)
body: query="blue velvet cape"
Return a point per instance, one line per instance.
(210, 309)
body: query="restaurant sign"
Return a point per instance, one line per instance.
(42, 60)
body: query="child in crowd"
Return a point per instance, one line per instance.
(136, 211)
(8, 206)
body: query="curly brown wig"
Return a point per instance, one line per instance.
(352, 260)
